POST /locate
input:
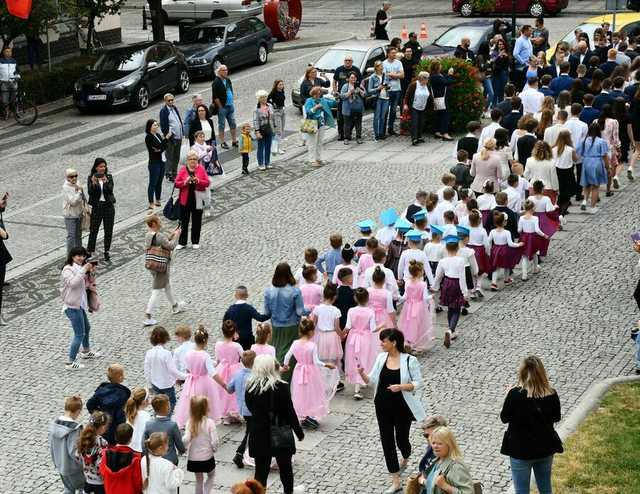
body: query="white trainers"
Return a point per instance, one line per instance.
(592, 210)
(180, 247)
(89, 355)
(73, 366)
(195, 246)
(178, 308)
(281, 151)
(299, 489)
(149, 322)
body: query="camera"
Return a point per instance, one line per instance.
(92, 260)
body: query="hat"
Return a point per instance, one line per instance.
(366, 225)
(402, 225)
(414, 235)
(451, 239)
(388, 217)
(463, 231)
(420, 215)
(436, 230)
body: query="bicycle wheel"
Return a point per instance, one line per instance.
(25, 112)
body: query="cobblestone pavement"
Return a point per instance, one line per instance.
(575, 315)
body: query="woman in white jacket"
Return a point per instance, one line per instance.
(540, 166)
(395, 377)
(159, 476)
(72, 202)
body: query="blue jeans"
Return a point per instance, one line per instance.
(394, 100)
(379, 115)
(638, 352)
(264, 150)
(499, 80)
(156, 174)
(81, 327)
(488, 93)
(226, 113)
(171, 394)
(521, 474)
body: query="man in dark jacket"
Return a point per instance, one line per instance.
(505, 105)
(172, 129)
(609, 66)
(382, 18)
(511, 119)
(340, 78)
(582, 55)
(463, 51)
(604, 98)
(524, 145)
(243, 313)
(110, 397)
(222, 92)
(416, 48)
(563, 82)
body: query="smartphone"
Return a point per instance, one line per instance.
(93, 261)
(5, 196)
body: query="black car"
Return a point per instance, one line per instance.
(228, 41)
(132, 75)
(477, 32)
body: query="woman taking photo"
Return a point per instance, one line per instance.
(594, 154)
(312, 80)
(377, 88)
(78, 281)
(415, 100)
(156, 144)
(161, 281)
(269, 401)
(352, 96)
(283, 304)
(73, 199)
(276, 99)
(501, 64)
(202, 121)
(263, 123)
(395, 377)
(485, 166)
(193, 181)
(531, 408)
(439, 85)
(317, 108)
(102, 201)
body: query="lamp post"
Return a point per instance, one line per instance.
(513, 35)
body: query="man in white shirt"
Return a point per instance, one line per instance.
(531, 98)
(379, 256)
(394, 73)
(551, 133)
(514, 198)
(579, 131)
(489, 131)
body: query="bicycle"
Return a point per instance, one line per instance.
(24, 111)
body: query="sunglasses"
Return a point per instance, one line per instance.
(170, 101)
(72, 176)
(192, 159)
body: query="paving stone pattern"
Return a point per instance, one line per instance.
(575, 314)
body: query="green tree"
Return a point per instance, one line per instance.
(42, 13)
(93, 11)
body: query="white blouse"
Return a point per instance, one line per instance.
(451, 267)
(502, 237)
(542, 203)
(543, 170)
(530, 225)
(206, 128)
(565, 160)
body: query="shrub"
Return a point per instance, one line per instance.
(42, 86)
(464, 97)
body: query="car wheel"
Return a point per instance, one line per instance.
(466, 9)
(142, 98)
(263, 55)
(536, 9)
(183, 83)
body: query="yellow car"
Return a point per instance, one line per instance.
(628, 22)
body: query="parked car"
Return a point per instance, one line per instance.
(175, 10)
(535, 8)
(477, 32)
(629, 22)
(364, 53)
(225, 41)
(132, 75)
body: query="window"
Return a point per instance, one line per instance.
(164, 52)
(256, 24)
(121, 61)
(244, 29)
(374, 56)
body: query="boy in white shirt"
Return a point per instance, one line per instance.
(514, 198)
(185, 345)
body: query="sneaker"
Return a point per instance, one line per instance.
(314, 423)
(630, 175)
(454, 336)
(149, 322)
(583, 207)
(299, 489)
(494, 287)
(178, 308)
(525, 278)
(180, 247)
(281, 151)
(196, 246)
(464, 311)
(89, 355)
(237, 459)
(346, 142)
(73, 366)
(340, 387)
(479, 293)
(359, 141)
(224, 145)
(357, 396)
(592, 210)
(609, 194)
(234, 144)
(245, 172)
(262, 168)
(438, 309)
(536, 269)
(616, 183)
(447, 339)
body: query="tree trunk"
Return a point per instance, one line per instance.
(157, 19)
(90, 30)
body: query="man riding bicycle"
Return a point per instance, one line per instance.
(8, 76)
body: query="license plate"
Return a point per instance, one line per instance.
(97, 97)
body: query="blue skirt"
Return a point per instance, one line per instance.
(593, 172)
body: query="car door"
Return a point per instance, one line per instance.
(153, 76)
(168, 65)
(229, 53)
(373, 56)
(247, 45)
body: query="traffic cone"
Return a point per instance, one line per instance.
(404, 34)
(423, 31)
(372, 30)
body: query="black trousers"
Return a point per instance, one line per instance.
(578, 186)
(636, 294)
(263, 464)
(245, 161)
(340, 122)
(187, 213)
(394, 429)
(243, 443)
(103, 212)
(453, 315)
(351, 121)
(417, 124)
(3, 272)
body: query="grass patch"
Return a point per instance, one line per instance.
(603, 455)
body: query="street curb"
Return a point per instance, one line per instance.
(587, 404)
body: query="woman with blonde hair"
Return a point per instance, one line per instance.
(193, 182)
(539, 166)
(263, 123)
(564, 156)
(485, 166)
(531, 408)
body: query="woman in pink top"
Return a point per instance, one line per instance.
(362, 347)
(311, 291)
(228, 354)
(485, 166)
(192, 181)
(263, 337)
(381, 300)
(201, 441)
(199, 380)
(416, 317)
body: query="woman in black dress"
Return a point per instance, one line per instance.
(156, 144)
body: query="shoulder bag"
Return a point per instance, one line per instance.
(280, 435)
(156, 257)
(440, 102)
(171, 209)
(85, 215)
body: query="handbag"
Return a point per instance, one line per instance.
(440, 102)
(156, 257)
(171, 209)
(85, 215)
(309, 126)
(280, 435)
(214, 168)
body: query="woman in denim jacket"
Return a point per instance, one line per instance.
(375, 87)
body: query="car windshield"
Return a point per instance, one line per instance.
(121, 61)
(334, 58)
(585, 28)
(210, 34)
(452, 37)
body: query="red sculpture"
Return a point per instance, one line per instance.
(19, 8)
(283, 18)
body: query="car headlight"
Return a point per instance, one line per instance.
(199, 61)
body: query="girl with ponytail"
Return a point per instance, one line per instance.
(159, 476)
(90, 446)
(201, 442)
(228, 354)
(137, 416)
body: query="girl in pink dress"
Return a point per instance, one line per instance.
(328, 334)
(311, 291)
(263, 337)
(347, 256)
(362, 346)
(199, 380)
(381, 300)
(365, 261)
(415, 319)
(308, 391)
(228, 354)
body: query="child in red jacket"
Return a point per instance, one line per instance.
(120, 466)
